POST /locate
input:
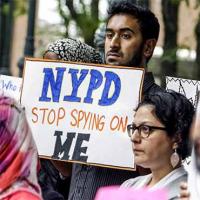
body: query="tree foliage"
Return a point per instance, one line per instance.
(84, 14)
(197, 35)
(197, 61)
(170, 19)
(21, 7)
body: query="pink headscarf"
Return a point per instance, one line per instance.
(18, 153)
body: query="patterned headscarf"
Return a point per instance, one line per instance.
(75, 51)
(18, 153)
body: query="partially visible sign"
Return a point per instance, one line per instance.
(11, 86)
(79, 112)
(187, 87)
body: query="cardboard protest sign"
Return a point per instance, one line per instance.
(10, 86)
(116, 193)
(187, 87)
(79, 112)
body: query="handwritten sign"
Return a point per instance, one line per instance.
(187, 87)
(10, 86)
(116, 193)
(79, 112)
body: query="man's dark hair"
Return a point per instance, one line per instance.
(148, 22)
(175, 112)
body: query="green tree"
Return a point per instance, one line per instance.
(84, 14)
(170, 15)
(197, 60)
(170, 19)
(21, 7)
(9, 10)
(197, 34)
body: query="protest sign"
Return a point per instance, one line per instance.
(116, 193)
(187, 87)
(79, 112)
(10, 86)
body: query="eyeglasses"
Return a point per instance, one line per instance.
(143, 130)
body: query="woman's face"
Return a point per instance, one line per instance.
(154, 151)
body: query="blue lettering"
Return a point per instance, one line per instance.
(75, 84)
(8, 86)
(95, 82)
(55, 85)
(5, 85)
(110, 77)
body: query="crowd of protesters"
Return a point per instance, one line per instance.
(162, 117)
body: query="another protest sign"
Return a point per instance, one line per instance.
(10, 86)
(187, 87)
(79, 112)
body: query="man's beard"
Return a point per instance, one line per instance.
(137, 58)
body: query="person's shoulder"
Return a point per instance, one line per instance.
(173, 187)
(178, 180)
(133, 181)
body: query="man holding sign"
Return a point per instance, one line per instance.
(131, 36)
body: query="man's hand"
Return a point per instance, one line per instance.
(65, 168)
